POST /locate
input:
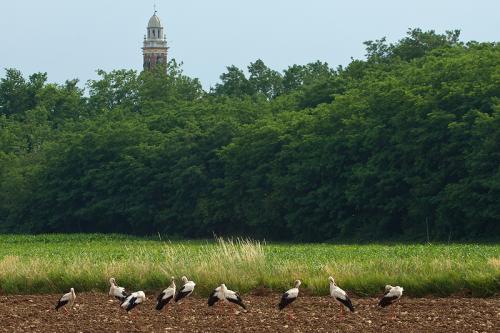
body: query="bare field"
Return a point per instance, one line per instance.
(95, 312)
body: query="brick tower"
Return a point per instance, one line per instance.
(155, 44)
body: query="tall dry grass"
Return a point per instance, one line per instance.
(45, 264)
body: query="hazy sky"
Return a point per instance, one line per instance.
(71, 39)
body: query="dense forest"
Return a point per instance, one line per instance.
(404, 144)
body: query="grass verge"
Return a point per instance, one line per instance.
(54, 263)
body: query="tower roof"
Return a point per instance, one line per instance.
(154, 22)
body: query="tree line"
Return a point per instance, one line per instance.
(404, 144)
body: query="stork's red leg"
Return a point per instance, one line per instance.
(341, 312)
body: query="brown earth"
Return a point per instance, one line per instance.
(95, 312)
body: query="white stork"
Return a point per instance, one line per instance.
(186, 290)
(117, 292)
(68, 298)
(340, 296)
(289, 297)
(223, 294)
(133, 300)
(391, 295)
(166, 295)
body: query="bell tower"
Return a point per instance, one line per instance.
(155, 44)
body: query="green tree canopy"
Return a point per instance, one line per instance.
(404, 144)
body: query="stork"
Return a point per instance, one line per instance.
(340, 296)
(289, 297)
(186, 290)
(166, 295)
(223, 294)
(391, 296)
(66, 299)
(133, 300)
(115, 291)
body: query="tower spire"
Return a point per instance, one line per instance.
(155, 47)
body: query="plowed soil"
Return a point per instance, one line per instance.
(95, 312)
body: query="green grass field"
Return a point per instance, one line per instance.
(54, 263)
